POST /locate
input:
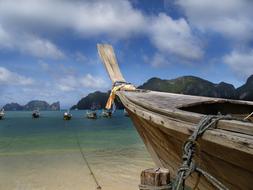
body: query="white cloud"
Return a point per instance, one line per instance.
(41, 48)
(29, 44)
(90, 81)
(232, 18)
(72, 83)
(11, 78)
(241, 62)
(174, 36)
(88, 18)
(157, 60)
(4, 38)
(117, 19)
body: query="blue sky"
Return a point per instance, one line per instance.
(48, 48)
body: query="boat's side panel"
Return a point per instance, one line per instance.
(165, 146)
(165, 150)
(169, 101)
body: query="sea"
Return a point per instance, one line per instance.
(44, 153)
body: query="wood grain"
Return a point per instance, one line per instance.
(222, 151)
(108, 57)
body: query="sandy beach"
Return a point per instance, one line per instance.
(67, 170)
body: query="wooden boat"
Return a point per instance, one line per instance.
(166, 120)
(106, 113)
(67, 116)
(36, 114)
(91, 114)
(2, 113)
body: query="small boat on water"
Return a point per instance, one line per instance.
(36, 114)
(2, 113)
(206, 143)
(91, 114)
(106, 113)
(67, 115)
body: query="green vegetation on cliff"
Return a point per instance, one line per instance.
(96, 99)
(191, 85)
(245, 92)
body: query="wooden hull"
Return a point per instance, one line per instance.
(35, 115)
(2, 115)
(92, 115)
(224, 154)
(67, 117)
(107, 114)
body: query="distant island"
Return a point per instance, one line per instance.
(189, 85)
(33, 105)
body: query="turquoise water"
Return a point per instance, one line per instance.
(43, 147)
(20, 133)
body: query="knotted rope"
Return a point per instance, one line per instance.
(189, 165)
(117, 86)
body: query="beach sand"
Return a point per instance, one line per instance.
(66, 170)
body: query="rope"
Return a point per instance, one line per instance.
(87, 163)
(189, 165)
(117, 86)
(251, 114)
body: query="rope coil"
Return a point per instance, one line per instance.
(189, 149)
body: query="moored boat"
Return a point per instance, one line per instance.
(2, 114)
(67, 115)
(36, 114)
(106, 113)
(216, 134)
(91, 114)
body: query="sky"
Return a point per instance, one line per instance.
(48, 48)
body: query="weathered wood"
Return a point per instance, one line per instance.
(168, 151)
(167, 104)
(186, 128)
(155, 178)
(108, 57)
